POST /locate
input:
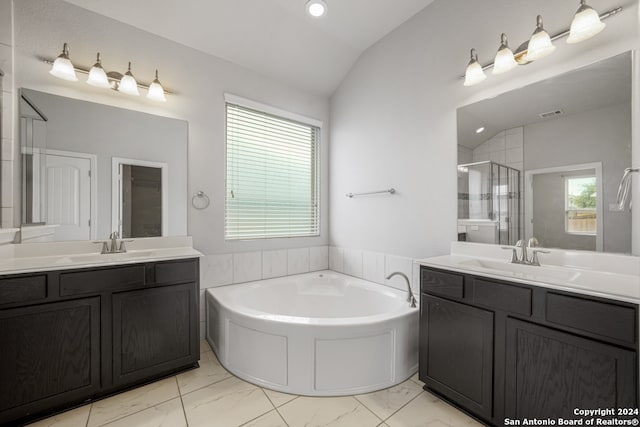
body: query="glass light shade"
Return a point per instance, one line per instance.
(63, 67)
(540, 44)
(128, 83)
(474, 74)
(156, 91)
(586, 24)
(504, 60)
(97, 76)
(316, 8)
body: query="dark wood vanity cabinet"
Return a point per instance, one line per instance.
(508, 350)
(459, 363)
(75, 335)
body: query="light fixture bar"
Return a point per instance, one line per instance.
(110, 76)
(555, 37)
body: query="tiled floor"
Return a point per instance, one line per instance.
(210, 396)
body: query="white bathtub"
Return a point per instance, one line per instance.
(315, 334)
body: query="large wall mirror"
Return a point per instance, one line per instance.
(546, 160)
(89, 169)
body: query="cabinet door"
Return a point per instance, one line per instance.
(50, 356)
(549, 373)
(456, 353)
(155, 331)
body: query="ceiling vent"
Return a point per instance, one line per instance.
(552, 113)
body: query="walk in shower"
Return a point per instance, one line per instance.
(489, 203)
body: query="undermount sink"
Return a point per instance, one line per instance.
(123, 256)
(540, 273)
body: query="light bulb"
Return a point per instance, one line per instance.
(586, 24)
(474, 74)
(128, 83)
(156, 91)
(504, 60)
(63, 67)
(540, 43)
(316, 8)
(97, 76)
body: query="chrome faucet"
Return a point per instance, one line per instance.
(410, 299)
(111, 246)
(523, 258)
(114, 242)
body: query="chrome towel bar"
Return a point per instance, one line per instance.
(390, 191)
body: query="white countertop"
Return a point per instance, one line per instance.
(618, 278)
(35, 257)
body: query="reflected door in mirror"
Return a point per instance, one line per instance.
(69, 195)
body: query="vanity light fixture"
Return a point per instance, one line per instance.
(475, 74)
(63, 67)
(586, 24)
(97, 75)
(540, 44)
(316, 8)
(156, 91)
(504, 58)
(128, 83)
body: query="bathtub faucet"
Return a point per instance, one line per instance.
(410, 299)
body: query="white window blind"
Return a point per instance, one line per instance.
(272, 176)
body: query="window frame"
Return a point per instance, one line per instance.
(568, 209)
(315, 166)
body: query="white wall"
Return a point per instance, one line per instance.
(7, 172)
(199, 81)
(394, 116)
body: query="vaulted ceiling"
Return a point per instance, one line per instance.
(273, 37)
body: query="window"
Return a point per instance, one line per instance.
(272, 183)
(580, 202)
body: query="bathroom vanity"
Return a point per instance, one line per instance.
(90, 328)
(519, 348)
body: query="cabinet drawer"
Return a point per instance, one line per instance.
(176, 272)
(441, 283)
(23, 289)
(501, 296)
(604, 319)
(102, 280)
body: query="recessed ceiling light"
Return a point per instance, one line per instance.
(316, 8)
(480, 129)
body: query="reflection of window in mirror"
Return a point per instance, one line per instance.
(140, 209)
(580, 202)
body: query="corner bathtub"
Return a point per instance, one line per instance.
(315, 334)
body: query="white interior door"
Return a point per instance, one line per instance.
(69, 196)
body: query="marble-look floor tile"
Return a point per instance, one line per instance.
(385, 402)
(132, 401)
(168, 414)
(277, 398)
(228, 403)
(73, 418)
(209, 372)
(270, 419)
(415, 379)
(327, 411)
(428, 410)
(204, 347)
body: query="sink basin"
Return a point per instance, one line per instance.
(110, 257)
(542, 273)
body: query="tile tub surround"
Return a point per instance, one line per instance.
(211, 396)
(375, 267)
